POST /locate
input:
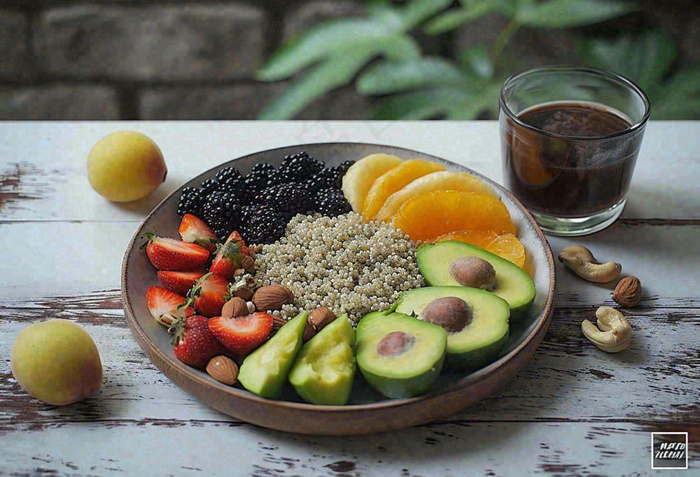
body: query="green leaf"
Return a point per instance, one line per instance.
(335, 72)
(478, 62)
(485, 100)
(570, 13)
(418, 104)
(392, 77)
(400, 48)
(453, 19)
(678, 98)
(417, 11)
(325, 40)
(644, 59)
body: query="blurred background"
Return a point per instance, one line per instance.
(328, 59)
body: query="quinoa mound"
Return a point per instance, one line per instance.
(341, 263)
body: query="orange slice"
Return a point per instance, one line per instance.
(393, 180)
(430, 215)
(443, 180)
(505, 246)
(359, 178)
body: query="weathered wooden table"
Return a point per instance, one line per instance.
(573, 410)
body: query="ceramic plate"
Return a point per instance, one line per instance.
(367, 412)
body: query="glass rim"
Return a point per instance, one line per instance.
(581, 69)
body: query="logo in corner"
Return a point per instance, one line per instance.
(669, 450)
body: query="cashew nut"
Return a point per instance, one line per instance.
(582, 262)
(613, 332)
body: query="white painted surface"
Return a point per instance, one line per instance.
(572, 411)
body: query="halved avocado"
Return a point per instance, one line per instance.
(477, 344)
(325, 367)
(265, 370)
(512, 283)
(399, 355)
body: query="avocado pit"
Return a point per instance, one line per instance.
(473, 272)
(451, 313)
(395, 344)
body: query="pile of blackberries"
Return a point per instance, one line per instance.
(260, 204)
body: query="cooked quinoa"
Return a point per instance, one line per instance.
(341, 263)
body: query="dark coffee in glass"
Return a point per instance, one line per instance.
(568, 156)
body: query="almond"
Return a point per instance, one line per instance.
(223, 369)
(248, 263)
(238, 273)
(278, 322)
(272, 297)
(244, 293)
(234, 307)
(309, 332)
(321, 317)
(628, 292)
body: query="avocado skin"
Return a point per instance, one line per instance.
(393, 386)
(266, 382)
(428, 264)
(478, 358)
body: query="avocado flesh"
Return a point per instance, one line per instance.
(480, 342)
(264, 371)
(512, 283)
(410, 373)
(324, 370)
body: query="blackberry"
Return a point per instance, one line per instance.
(345, 165)
(261, 224)
(232, 186)
(262, 175)
(289, 199)
(190, 202)
(315, 184)
(227, 174)
(332, 202)
(334, 177)
(222, 212)
(210, 185)
(299, 167)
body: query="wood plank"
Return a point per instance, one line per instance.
(42, 165)
(90, 255)
(656, 379)
(446, 450)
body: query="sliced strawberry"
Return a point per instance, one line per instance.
(242, 334)
(194, 343)
(171, 254)
(178, 282)
(195, 230)
(165, 306)
(209, 294)
(229, 255)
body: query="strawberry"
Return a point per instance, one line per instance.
(242, 334)
(209, 294)
(229, 255)
(171, 254)
(194, 343)
(178, 282)
(165, 306)
(194, 230)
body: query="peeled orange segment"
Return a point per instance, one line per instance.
(505, 246)
(428, 216)
(358, 180)
(442, 180)
(393, 180)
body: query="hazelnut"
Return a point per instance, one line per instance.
(234, 307)
(628, 292)
(473, 272)
(451, 313)
(247, 263)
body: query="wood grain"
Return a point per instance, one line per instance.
(59, 151)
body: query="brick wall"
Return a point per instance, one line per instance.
(196, 59)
